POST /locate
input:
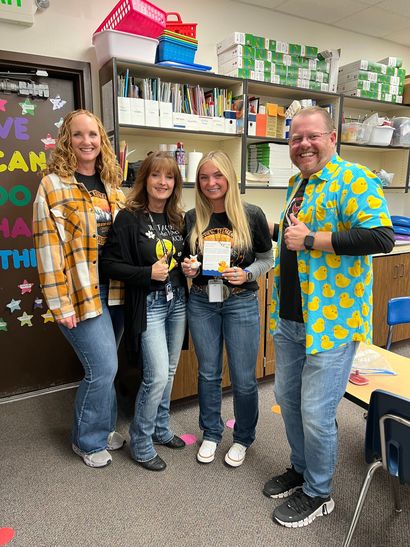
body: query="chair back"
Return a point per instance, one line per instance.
(398, 310)
(389, 417)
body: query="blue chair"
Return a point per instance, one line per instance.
(398, 311)
(387, 445)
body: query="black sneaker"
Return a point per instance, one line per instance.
(283, 485)
(300, 510)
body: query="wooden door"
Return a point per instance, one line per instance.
(269, 346)
(34, 353)
(391, 279)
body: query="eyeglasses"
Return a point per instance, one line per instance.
(313, 137)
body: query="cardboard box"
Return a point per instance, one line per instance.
(236, 52)
(392, 61)
(371, 77)
(370, 86)
(261, 125)
(406, 92)
(271, 119)
(236, 38)
(363, 64)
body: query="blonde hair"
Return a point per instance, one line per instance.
(234, 207)
(138, 196)
(63, 161)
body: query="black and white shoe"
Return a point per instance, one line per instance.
(300, 510)
(282, 486)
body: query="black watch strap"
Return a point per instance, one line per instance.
(309, 241)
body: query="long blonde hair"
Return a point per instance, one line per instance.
(138, 197)
(63, 161)
(234, 207)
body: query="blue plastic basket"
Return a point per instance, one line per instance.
(173, 50)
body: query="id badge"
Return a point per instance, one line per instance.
(215, 290)
(169, 295)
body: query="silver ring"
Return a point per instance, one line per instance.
(235, 275)
(235, 268)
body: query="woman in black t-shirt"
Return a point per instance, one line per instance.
(143, 250)
(233, 244)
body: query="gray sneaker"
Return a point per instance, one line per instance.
(300, 510)
(115, 441)
(96, 459)
(284, 485)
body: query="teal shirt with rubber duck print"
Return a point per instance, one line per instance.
(336, 289)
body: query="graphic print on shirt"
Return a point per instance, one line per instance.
(294, 208)
(169, 236)
(102, 215)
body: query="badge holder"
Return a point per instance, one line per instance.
(217, 290)
(169, 295)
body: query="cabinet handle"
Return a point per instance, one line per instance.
(402, 270)
(396, 272)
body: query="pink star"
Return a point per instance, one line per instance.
(3, 103)
(25, 286)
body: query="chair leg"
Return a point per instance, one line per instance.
(396, 493)
(362, 496)
(389, 337)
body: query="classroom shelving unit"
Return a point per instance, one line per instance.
(143, 139)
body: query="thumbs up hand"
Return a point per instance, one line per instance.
(159, 270)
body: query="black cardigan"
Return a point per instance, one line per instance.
(121, 260)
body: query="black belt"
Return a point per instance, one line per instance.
(229, 291)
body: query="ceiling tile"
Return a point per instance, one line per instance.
(400, 7)
(322, 12)
(374, 22)
(400, 37)
(271, 4)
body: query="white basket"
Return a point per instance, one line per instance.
(123, 45)
(381, 135)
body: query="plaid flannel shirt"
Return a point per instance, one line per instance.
(65, 238)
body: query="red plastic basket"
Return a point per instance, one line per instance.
(187, 29)
(136, 17)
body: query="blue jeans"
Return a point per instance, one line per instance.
(95, 342)
(308, 389)
(235, 322)
(161, 347)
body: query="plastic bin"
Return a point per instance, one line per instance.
(381, 135)
(401, 135)
(350, 131)
(187, 29)
(123, 45)
(136, 17)
(176, 50)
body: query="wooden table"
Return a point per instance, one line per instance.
(399, 384)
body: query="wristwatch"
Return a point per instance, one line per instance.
(309, 241)
(249, 276)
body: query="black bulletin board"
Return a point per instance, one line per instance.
(34, 355)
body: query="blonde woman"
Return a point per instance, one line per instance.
(223, 308)
(75, 205)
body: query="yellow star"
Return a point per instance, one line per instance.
(48, 317)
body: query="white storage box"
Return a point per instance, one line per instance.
(125, 46)
(381, 135)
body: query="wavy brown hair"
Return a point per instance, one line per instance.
(63, 161)
(138, 196)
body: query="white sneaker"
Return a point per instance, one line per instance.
(206, 453)
(115, 441)
(236, 455)
(96, 459)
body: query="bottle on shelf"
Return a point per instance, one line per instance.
(180, 159)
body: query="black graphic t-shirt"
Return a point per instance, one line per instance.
(158, 239)
(220, 229)
(102, 211)
(290, 306)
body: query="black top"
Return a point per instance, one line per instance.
(131, 249)
(102, 210)
(220, 227)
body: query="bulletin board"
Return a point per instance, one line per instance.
(34, 354)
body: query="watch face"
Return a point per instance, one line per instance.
(309, 240)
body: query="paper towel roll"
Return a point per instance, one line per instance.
(193, 159)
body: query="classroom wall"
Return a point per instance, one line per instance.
(65, 30)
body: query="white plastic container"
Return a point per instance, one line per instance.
(381, 135)
(124, 46)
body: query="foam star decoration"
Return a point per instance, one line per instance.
(25, 319)
(49, 142)
(27, 107)
(3, 103)
(3, 324)
(25, 286)
(59, 123)
(38, 303)
(57, 102)
(48, 317)
(14, 305)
